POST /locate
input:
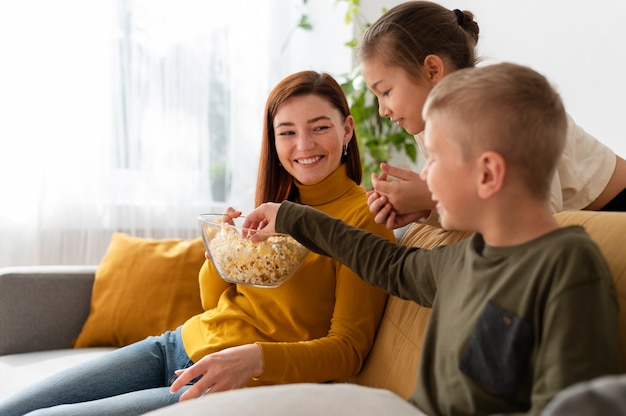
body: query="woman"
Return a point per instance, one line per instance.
(318, 326)
(403, 55)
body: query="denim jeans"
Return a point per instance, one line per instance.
(129, 381)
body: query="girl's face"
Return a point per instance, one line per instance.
(400, 96)
(310, 135)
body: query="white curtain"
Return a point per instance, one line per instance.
(118, 116)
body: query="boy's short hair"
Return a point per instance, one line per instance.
(510, 109)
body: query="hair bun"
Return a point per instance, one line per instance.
(460, 16)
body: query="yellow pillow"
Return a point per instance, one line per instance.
(142, 287)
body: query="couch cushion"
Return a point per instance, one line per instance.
(601, 396)
(21, 370)
(142, 287)
(304, 399)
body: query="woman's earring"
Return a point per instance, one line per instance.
(345, 150)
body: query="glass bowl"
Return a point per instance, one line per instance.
(268, 263)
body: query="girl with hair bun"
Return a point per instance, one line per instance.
(403, 55)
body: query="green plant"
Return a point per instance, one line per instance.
(377, 136)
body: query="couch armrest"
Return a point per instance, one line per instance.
(43, 307)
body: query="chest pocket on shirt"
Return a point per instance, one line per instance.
(498, 352)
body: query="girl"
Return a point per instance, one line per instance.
(403, 55)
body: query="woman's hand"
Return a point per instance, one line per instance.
(231, 368)
(229, 214)
(399, 202)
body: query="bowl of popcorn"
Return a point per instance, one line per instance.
(268, 263)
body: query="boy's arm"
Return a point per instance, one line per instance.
(401, 271)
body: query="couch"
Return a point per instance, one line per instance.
(42, 309)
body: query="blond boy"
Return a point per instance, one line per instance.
(522, 308)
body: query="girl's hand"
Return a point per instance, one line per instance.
(397, 203)
(231, 368)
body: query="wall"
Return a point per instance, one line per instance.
(579, 45)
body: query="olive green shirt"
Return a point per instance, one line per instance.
(510, 326)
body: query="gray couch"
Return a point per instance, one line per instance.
(42, 309)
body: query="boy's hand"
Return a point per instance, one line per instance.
(262, 218)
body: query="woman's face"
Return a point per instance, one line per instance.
(401, 97)
(310, 135)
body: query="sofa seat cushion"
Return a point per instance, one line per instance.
(20, 370)
(302, 399)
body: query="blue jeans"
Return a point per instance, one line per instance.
(129, 381)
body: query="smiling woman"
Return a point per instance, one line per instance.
(310, 148)
(308, 329)
(119, 114)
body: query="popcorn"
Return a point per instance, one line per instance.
(239, 260)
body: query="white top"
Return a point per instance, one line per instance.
(583, 172)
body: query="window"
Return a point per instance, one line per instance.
(121, 114)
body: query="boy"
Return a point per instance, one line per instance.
(521, 309)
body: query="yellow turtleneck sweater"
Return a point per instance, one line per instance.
(318, 326)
